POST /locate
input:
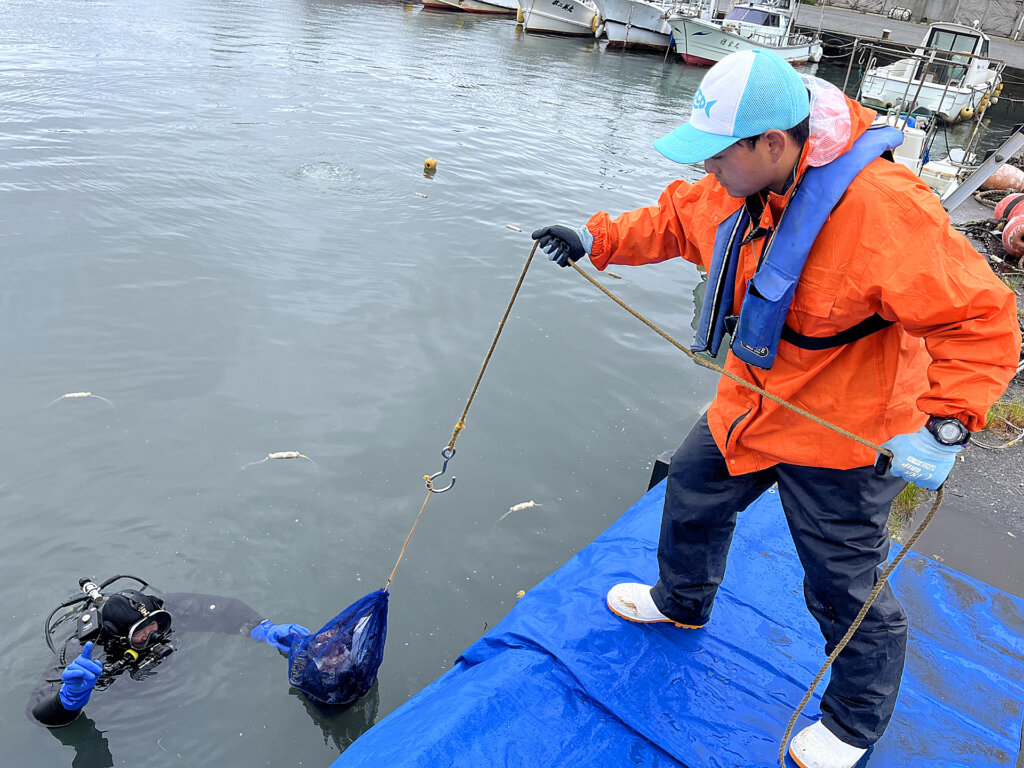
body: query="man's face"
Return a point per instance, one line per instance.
(743, 170)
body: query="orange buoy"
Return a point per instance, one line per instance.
(1013, 236)
(1006, 202)
(430, 164)
(1005, 177)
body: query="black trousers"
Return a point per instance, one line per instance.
(838, 522)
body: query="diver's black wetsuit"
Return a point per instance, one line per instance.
(189, 613)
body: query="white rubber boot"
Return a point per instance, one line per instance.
(817, 747)
(633, 602)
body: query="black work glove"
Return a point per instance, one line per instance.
(561, 243)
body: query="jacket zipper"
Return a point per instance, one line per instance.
(741, 417)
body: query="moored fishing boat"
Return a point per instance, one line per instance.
(475, 6)
(950, 75)
(560, 17)
(764, 25)
(636, 23)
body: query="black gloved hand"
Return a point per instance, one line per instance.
(561, 243)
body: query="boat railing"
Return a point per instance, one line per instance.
(800, 39)
(686, 10)
(926, 66)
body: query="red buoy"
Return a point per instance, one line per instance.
(1013, 235)
(1006, 202)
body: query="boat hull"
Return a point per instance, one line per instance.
(705, 43)
(472, 6)
(948, 104)
(628, 36)
(559, 17)
(634, 24)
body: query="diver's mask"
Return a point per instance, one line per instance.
(134, 620)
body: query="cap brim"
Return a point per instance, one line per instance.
(687, 144)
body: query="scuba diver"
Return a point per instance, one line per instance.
(132, 632)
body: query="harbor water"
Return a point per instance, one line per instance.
(215, 219)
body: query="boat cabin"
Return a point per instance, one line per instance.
(761, 17)
(953, 45)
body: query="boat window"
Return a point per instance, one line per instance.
(946, 40)
(984, 47)
(753, 16)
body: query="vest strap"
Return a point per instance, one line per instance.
(857, 332)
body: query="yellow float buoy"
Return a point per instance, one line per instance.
(966, 113)
(519, 15)
(430, 164)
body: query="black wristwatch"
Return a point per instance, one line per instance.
(947, 430)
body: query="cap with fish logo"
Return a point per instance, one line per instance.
(743, 95)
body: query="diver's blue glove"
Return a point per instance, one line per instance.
(78, 679)
(281, 636)
(920, 458)
(562, 243)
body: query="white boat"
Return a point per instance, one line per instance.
(560, 17)
(475, 6)
(950, 75)
(919, 132)
(766, 25)
(636, 23)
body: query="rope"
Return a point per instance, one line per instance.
(856, 623)
(461, 424)
(449, 450)
(883, 579)
(402, 553)
(728, 374)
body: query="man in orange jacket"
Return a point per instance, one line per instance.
(845, 291)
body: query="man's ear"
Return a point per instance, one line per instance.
(776, 141)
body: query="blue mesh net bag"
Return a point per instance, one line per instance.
(338, 664)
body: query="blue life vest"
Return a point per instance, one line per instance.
(762, 318)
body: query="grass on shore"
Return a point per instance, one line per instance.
(1005, 420)
(902, 510)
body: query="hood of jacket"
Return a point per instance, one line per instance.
(836, 121)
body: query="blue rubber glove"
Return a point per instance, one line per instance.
(564, 244)
(78, 679)
(920, 458)
(281, 636)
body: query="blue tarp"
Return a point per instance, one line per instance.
(561, 681)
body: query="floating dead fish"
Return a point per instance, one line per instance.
(283, 455)
(518, 508)
(616, 275)
(513, 227)
(76, 395)
(420, 194)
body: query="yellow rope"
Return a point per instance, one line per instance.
(856, 623)
(728, 374)
(417, 522)
(461, 423)
(889, 568)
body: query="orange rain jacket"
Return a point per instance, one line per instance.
(887, 248)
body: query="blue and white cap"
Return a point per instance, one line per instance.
(743, 95)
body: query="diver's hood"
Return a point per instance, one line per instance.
(124, 610)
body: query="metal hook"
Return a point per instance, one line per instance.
(447, 453)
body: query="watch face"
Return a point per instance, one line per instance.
(950, 432)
